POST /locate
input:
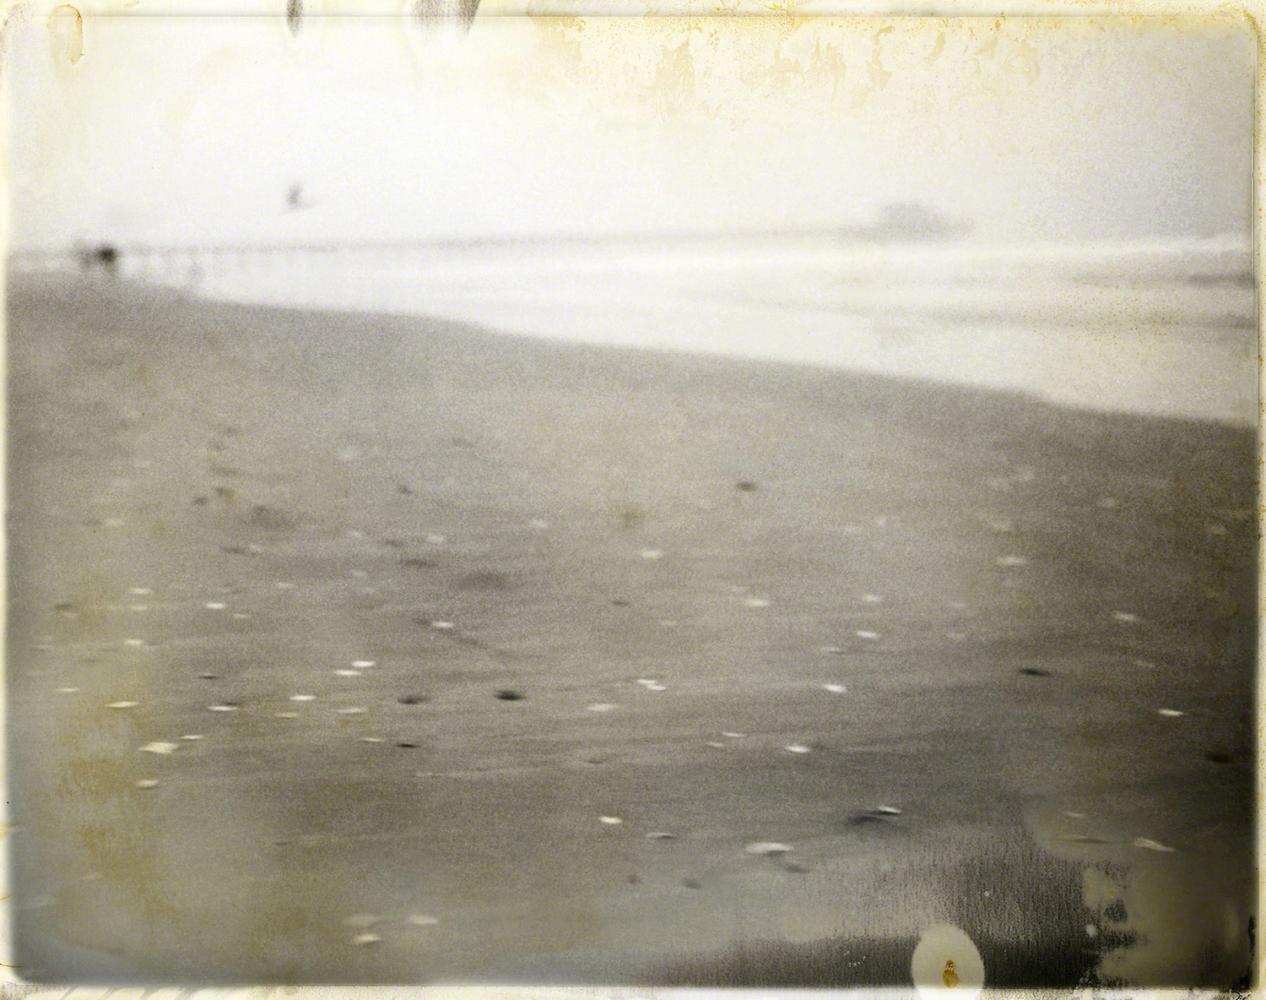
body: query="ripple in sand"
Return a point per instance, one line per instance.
(767, 848)
(160, 747)
(661, 835)
(735, 736)
(285, 715)
(140, 591)
(1151, 845)
(602, 706)
(362, 921)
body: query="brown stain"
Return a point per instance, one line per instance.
(66, 33)
(950, 975)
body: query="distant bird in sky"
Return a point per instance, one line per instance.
(295, 201)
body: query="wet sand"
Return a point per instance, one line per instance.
(226, 506)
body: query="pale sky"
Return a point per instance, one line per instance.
(192, 129)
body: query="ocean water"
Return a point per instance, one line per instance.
(1162, 327)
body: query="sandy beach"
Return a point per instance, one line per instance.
(457, 656)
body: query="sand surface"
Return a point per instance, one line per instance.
(230, 506)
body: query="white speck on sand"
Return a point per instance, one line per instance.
(139, 591)
(610, 820)
(361, 664)
(834, 688)
(354, 710)
(134, 642)
(348, 673)
(1170, 713)
(362, 921)
(123, 704)
(1125, 617)
(67, 690)
(147, 783)
(863, 633)
(366, 938)
(222, 708)
(756, 602)
(764, 848)
(796, 748)
(160, 747)
(191, 737)
(1011, 561)
(303, 697)
(603, 706)
(215, 605)
(443, 626)
(285, 715)
(422, 920)
(1152, 845)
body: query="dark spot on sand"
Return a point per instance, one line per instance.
(226, 493)
(404, 490)
(200, 501)
(509, 694)
(235, 550)
(1218, 757)
(1116, 912)
(631, 517)
(794, 868)
(868, 817)
(634, 879)
(1034, 672)
(745, 486)
(412, 699)
(271, 519)
(63, 607)
(208, 677)
(620, 602)
(692, 883)
(393, 543)
(484, 580)
(406, 745)
(416, 562)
